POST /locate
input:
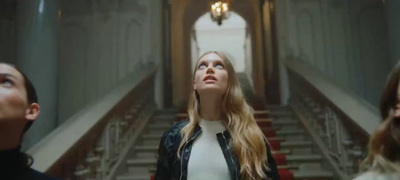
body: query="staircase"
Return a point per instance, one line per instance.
(293, 149)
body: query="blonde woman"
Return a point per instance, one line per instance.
(383, 160)
(221, 140)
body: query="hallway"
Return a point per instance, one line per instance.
(113, 75)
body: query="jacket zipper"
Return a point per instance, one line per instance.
(183, 150)
(230, 154)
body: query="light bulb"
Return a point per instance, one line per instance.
(225, 6)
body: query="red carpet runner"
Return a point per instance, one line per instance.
(275, 146)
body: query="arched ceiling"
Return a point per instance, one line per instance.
(196, 8)
(233, 21)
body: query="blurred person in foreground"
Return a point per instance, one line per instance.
(383, 160)
(19, 108)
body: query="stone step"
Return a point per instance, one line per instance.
(262, 112)
(139, 170)
(284, 122)
(292, 161)
(276, 107)
(151, 136)
(164, 115)
(146, 154)
(289, 132)
(281, 112)
(134, 176)
(294, 168)
(288, 144)
(297, 137)
(303, 157)
(316, 166)
(312, 175)
(276, 139)
(167, 111)
(151, 142)
(181, 116)
(163, 118)
(141, 162)
(285, 118)
(257, 113)
(150, 169)
(288, 166)
(265, 120)
(285, 127)
(274, 128)
(146, 148)
(164, 126)
(152, 149)
(150, 157)
(282, 151)
(156, 131)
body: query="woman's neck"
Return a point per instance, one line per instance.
(9, 139)
(210, 107)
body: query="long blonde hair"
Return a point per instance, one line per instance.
(248, 140)
(384, 145)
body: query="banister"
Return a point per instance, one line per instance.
(365, 115)
(77, 135)
(339, 122)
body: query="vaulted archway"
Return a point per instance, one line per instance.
(184, 14)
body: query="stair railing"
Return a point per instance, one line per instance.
(91, 144)
(339, 121)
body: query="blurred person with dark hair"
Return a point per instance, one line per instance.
(383, 160)
(19, 108)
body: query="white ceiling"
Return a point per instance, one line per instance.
(235, 21)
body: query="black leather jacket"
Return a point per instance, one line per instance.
(169, 167)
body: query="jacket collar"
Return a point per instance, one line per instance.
(198, 129)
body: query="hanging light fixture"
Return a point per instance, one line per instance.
(219, 10)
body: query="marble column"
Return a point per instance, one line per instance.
(37, 56)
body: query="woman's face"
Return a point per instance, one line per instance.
(13, 98)
(211, 75)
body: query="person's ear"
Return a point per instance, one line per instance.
(194, 85)
(32, 112)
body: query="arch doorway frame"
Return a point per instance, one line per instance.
(184, 14)
(205, 29)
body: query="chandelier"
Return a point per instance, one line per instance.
(219, 10)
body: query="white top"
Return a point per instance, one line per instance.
(371, 175)
(206, 158)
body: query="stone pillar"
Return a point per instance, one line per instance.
(37, 56)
